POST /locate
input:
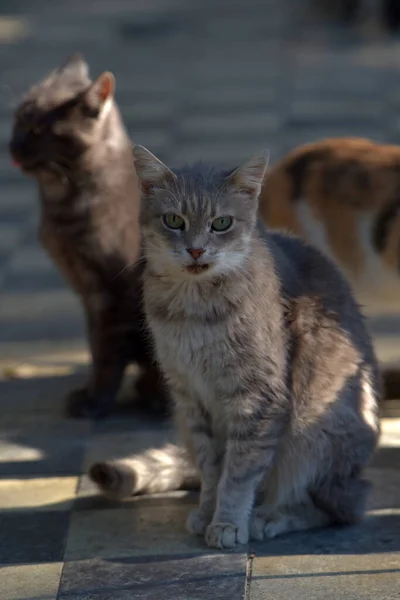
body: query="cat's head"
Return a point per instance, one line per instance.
(60, 117)
(197, 222)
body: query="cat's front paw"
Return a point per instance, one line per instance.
(197, 521)
(267, 525)
(80, 405)
(226, 535)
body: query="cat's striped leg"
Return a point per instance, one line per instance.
(251, 448)
(107, 341)
(195, 427)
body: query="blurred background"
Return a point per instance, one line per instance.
(211, 79)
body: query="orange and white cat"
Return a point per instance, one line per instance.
(343, 196)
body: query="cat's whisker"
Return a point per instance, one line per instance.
(129, 267)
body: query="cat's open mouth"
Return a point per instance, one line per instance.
(196, 269)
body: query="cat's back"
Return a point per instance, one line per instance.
(302, 267)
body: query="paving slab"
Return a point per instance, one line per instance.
(30, 582)
(312, 577)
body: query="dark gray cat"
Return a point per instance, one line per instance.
(69, 136)
(266, 355)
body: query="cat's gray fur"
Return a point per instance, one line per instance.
(266, 354)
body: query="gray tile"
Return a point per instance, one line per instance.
(46, 279)
(39, 494)
(242, 53)
(31, 258)
(20, 197)
(156, 141)
(32, 537)
(211, 74)
(68, 329)
(391, 409)
(148, 84)
(43, 447)
(379, 533)
(30, 582)
(245, 27)
(155, 113)
(385, 493)
(240, 125)
(224, 154)
(388, 457)
(10, 237)
(157, 578)
(138, 528)
(36, 397)
(233, 98)
(329, 577)
(52, 314)
(73, 33)
(156, 28)
(325, 111)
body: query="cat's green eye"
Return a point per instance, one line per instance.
(221, 223)
(173, 221)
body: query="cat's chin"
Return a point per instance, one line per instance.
(196, 269)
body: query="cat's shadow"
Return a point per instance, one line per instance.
(376, 534)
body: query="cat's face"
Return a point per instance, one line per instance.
(197, 222)
(59, 118)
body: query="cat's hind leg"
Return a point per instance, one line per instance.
(306, 492)
(269, 523)
(344, 498)
(109, 359)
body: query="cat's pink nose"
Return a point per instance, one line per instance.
(195, 252)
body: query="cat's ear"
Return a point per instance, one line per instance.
(150, 170)
(75, 64)
(101, 90)
(248, 178)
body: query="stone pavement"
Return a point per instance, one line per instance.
(195, 78)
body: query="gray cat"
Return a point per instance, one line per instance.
(271, 368)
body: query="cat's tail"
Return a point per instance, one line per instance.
(156, 470)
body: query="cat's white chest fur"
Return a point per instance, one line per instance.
(187, 352)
